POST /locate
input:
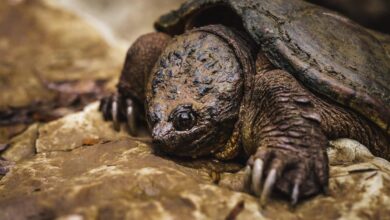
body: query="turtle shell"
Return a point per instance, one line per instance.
(328, 53)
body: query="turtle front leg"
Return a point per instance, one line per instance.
(120, 109)
(127, 104)
(282, 133)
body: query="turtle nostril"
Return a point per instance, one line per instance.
(160, 133)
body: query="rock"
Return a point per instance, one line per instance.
(347, 151)
(7, 132)
(75, 130)
(114, 180)
(124, 177)
(23, 145)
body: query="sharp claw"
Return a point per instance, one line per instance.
(101, 104)
(295, 194)
(268, 186)
(104, 105)
(247, 176)
(131, 120)
(322, 171)
(257, 176)
(114, 114)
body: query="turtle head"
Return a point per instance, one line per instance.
(195, 91)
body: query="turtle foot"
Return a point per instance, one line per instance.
(297, 173)
(119, 110)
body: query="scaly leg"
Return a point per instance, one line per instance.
(127, 104)
(286, 131)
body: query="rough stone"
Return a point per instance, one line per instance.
(23, 145)
(83, 128)
(124, 177)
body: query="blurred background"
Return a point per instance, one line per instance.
(121, 21)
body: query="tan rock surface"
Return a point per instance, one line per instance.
(23, 145)
(75, 130)
(122, 177)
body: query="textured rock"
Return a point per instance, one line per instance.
(113, 179)
(23, 145)
(83, 128)
(122, 177)
(7, 132)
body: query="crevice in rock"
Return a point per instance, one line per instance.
(36, 139)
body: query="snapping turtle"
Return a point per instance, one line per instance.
(268, 80)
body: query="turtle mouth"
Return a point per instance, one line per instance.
(183, 143)
(202, 140)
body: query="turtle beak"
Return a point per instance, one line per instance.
(169, 140)
(161, 133)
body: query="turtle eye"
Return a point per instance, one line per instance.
(184, 121)
(183, 118)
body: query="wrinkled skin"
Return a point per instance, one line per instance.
(212, 92)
